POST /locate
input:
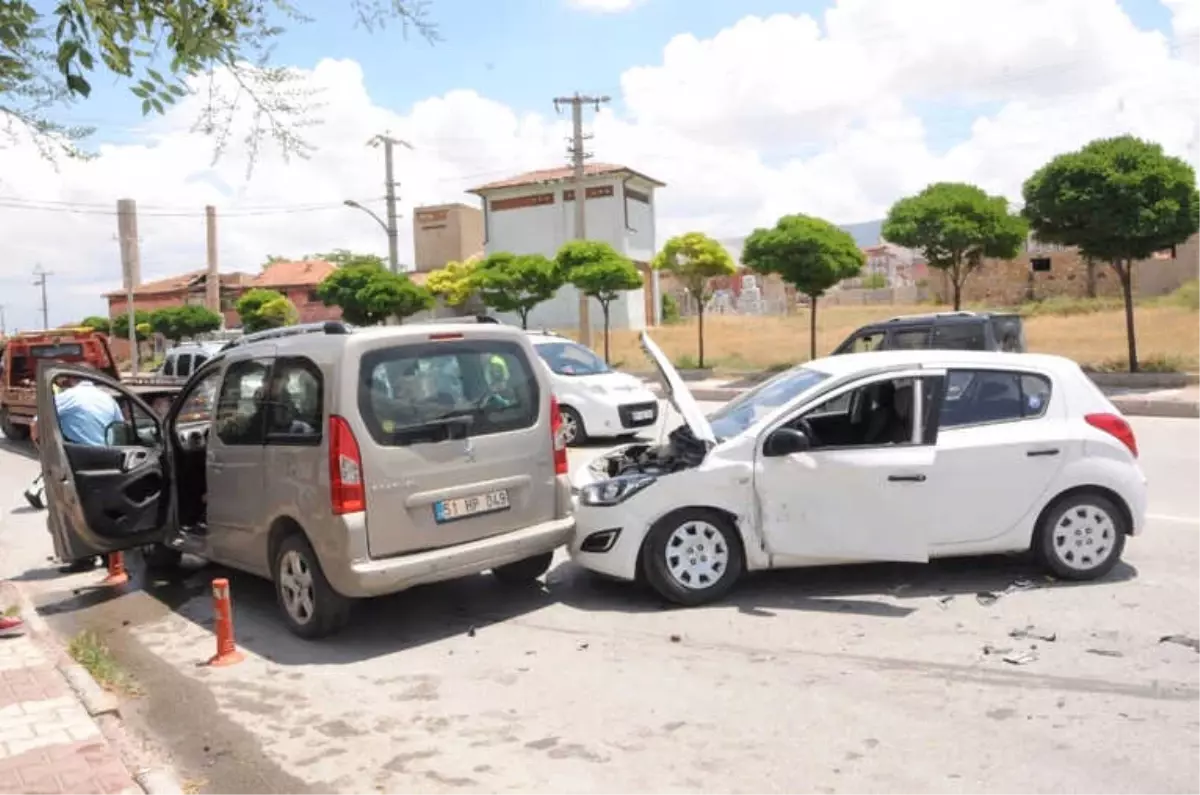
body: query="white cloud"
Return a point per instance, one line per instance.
(837, 116)
(605, 6)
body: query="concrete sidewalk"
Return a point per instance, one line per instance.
(1181, 402)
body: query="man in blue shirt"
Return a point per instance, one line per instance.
(84, 413)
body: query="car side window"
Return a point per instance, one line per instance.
(959, 337)
(183, 367)
(199, 403)
(294, 406)
(912, 339)
(976, 397)
(876, 414)
(241, 415)
(168, 367)
(871, 341)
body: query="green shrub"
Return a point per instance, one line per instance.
(1186, 296)
(1157, 363)
(670, 309)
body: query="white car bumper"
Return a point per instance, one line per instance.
(617, 413)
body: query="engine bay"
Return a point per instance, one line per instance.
(682, 451)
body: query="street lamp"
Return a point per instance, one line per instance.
(370, 212)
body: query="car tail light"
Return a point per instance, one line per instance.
(1115, 426)
(560, 447)
(346, 492)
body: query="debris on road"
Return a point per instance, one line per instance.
(1182, 640)
(1106, 652)
(1020, 585)
(945, 601)
(1033, 633)
(470, 632)
(676, 638)
(989, 649)
(1021, 658)
(987, 598)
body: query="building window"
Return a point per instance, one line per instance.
(313, 298)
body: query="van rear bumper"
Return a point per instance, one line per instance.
(376, 577)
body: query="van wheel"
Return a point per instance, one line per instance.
(13, 430)
(692, 556)
(523, 572)
(1081, 537)
(311, 608)
(573, 432)
(159, 557)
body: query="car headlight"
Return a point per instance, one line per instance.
(615, 491)
(599, 389)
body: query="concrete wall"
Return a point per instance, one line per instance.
(446, 233)
(538, 219)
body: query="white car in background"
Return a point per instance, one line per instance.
(594, 400)
(892, 456)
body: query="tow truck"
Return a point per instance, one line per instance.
(76, 345)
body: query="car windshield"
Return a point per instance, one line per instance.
(742, 412)
(571, 358)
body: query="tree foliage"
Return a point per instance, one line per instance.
(343, 257)
(101, 324)
(181, 322)
(1119, 200)
(51, 53)
(368, 293)
(809, 253)
(597, 270)
(956, 226)
(695, 259)
(262, 309)
(453, 283)
(516, 282)
(119, 325)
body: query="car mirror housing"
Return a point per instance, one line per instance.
(785, 441)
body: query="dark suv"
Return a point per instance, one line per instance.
(967, 331)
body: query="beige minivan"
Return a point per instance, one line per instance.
(340, 463)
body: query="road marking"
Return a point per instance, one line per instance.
(1164, 517)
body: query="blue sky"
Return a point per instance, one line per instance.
(518, 52)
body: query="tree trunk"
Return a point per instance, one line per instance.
(700, 317)
(524, 319)
(604, 311)
(1090, 266)
(1125, 274)
(812, 327)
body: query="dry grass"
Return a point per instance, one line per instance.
(1165, 332)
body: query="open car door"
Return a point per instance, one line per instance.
(107, 498)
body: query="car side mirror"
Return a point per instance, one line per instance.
(786, 441)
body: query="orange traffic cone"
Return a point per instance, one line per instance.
(116, 570)
(227, 653)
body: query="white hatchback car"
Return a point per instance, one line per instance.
(594, 400)
(893, 456)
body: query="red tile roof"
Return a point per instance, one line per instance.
(180, 283)
(562, 174)
(304, 273)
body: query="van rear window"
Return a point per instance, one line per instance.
(446, 390)
(64, 350)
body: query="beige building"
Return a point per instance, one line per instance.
(446, 233)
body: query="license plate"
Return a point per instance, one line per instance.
(643, 415)
(461, 508)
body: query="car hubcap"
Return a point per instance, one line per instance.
(570, 428)
(1084, 537)
(296, 585)
(697, 555)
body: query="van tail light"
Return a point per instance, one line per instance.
(346, 492)
(1115, 426)
(560, 447)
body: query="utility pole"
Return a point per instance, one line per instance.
(578, 158)
(131, 268)
(390, 184)
(40, 275)
(212, 277)
(3, 323)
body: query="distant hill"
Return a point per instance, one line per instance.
(866, 233)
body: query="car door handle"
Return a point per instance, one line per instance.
(1038, 453)
(906, 478)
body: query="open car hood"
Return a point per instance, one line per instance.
(677, 392)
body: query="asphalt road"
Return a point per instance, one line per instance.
(866, 678)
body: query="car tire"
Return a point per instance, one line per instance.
(717, 559)
(1081, 536)
(311, 607)
(12, 430)
(160, 557)
(524, 572)
(571, 419)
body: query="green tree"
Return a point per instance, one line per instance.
(1119, 200)
(343, 257)
(180, 322)
(956, 226)
(516, 282)
(453, 283)
(50, 53)
(101, 324)
(598, 271)
(262, 309)
(695, 259)
(809, 253)
(119, 325)
(368, 293)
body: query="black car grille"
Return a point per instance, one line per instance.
(626, 414)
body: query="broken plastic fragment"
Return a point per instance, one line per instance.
(1021, 658)
(986, 598)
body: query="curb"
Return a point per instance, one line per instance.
(97, 701)
(1129, 405)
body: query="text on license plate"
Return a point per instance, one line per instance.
(449, 510)
(642, 415)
